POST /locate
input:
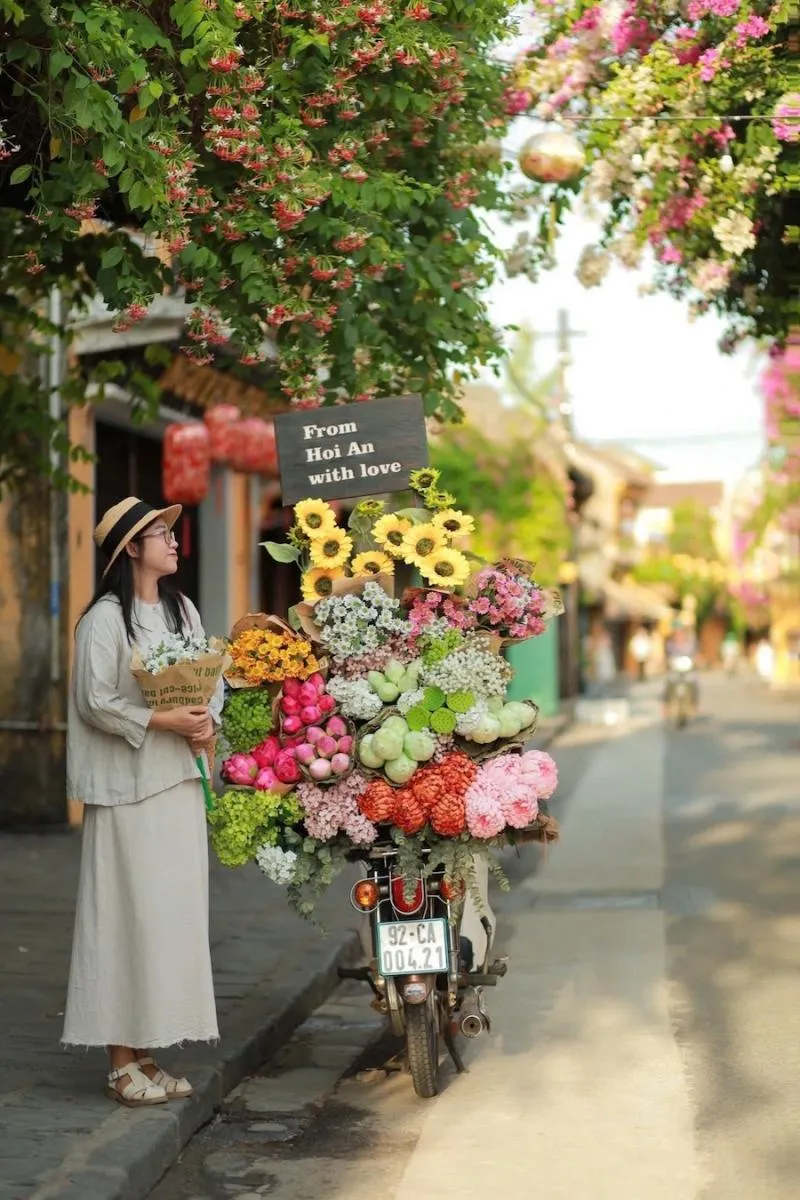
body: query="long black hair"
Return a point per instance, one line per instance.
(118, 582)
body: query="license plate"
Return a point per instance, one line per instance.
(412, 947)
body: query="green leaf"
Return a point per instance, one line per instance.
(281, 552)
(112, 256)
(20, 174)
(59, 61)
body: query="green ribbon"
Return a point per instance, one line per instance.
(209, 795)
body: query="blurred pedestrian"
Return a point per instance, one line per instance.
(765, 659)
(641, 648)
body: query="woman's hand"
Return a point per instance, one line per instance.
(199, 741)
(191, 723)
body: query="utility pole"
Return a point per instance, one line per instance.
(569, 645)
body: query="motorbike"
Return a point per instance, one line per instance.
(681, 696)
(422, 971)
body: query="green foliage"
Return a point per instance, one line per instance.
(308, 171)
(693, 531)
(519, 504)
(246, 719)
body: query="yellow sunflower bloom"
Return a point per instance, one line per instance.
(389, 532)
(454, 523)
(317, 584)
(314, 517)
(446, 568)
(420, 542)
(372, 562)
(331, 549)
(424, 478)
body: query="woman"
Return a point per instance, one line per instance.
(141, 966)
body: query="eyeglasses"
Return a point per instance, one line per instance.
(166, 534)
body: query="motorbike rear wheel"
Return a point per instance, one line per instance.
(422, 1046)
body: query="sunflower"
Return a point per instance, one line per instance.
(453, 523)
(424, 478)
(420, 542)
(314, 517)
(372, 562)
(332, 548)
(317, 584)
(435, 499)
(389, 531)
(446, 568)
(370, 508)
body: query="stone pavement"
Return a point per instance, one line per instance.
(60, 1138)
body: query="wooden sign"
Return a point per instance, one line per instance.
(351, 449)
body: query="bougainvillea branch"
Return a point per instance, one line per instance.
(664, 95)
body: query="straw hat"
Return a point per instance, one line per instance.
(120, 524)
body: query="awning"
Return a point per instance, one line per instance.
(631, 601)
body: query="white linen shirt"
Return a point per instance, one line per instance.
(113, 757)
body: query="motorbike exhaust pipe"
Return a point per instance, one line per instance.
(472, 1021)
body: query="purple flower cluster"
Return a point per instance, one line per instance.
(333, 810)
(508, 603)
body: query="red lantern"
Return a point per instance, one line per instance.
(186, 463)
(254, 449)
(220, 421)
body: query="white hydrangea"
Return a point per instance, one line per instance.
(355, 697)
(174, 648)
(278, 865)
(469, 721)
(408, 700)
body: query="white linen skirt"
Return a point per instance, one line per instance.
(141, 963)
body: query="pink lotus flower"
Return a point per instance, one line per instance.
(265, 753)
(286, 767)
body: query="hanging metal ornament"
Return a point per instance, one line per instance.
(554, 156)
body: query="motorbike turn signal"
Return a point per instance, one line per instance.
(365, 895)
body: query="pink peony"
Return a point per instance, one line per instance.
(541, 771)
(485, 816)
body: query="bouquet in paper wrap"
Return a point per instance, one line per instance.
(182, 671)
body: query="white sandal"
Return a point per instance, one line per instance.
(138, 1092)
(176, 1089)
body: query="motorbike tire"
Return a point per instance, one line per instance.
(422, 1046)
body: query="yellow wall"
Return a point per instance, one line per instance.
(785, 633)
(81, 522)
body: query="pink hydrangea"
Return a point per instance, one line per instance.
(332, 810)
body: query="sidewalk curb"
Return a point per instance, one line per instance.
(132, 1150)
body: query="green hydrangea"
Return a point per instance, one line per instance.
(246, 719)
(242, 821)
(435, 648)
(460, 702)
(443, 721)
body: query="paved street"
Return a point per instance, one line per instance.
(645, 1041)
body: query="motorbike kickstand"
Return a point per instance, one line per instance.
(452, 1049)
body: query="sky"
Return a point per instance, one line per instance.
(642, 371)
